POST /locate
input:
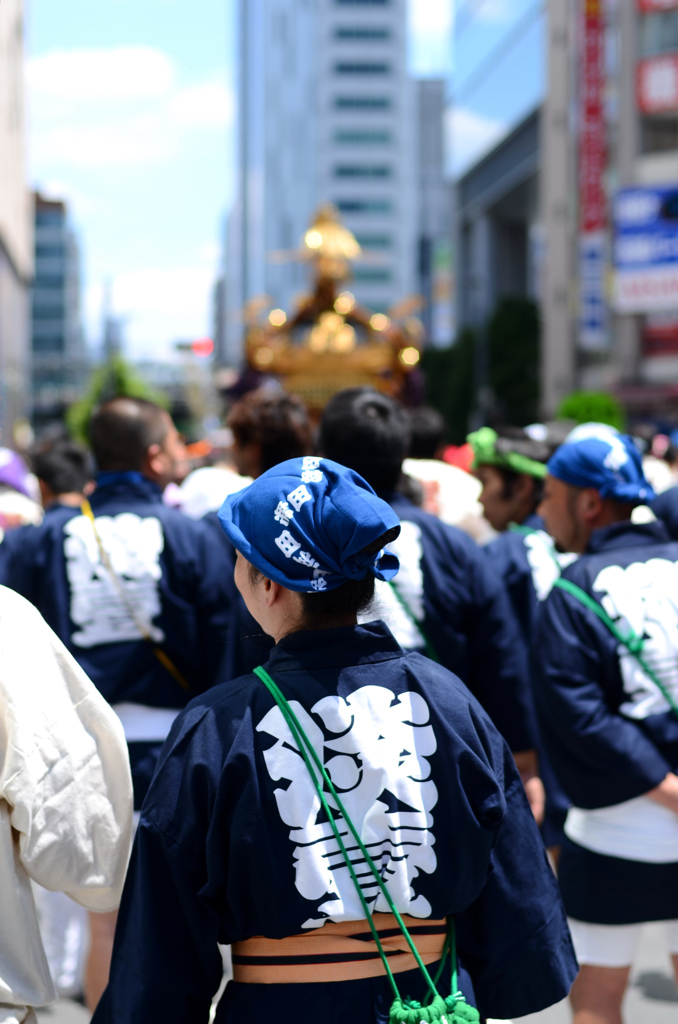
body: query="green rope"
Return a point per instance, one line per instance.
(527, 531)
(430, 649)
(633, 643)
(452, 1010)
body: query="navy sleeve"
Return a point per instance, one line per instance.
(665, 507)
(16, 569)
(514, 940)
(215, 602)
(166, 964)
(499, 670)
(600, 757)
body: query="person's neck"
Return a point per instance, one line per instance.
(73, 499)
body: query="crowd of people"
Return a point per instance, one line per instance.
(401, 734)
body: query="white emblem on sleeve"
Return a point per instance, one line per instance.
(644, 597)
(374, 746)
(97, 609)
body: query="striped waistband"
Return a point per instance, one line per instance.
(343, 951)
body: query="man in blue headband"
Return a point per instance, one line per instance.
(447, 601)
(237, 844)
(606, 657)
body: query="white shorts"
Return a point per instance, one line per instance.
(613, 945)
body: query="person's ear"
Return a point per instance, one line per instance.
(590, 504)
(155, 460)
(271, 591)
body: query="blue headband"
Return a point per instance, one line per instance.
(305, 522)
(596, 455)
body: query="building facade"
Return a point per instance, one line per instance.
(16, 258)
(58, 350)
(327, 113)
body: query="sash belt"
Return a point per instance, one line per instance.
(341, 951)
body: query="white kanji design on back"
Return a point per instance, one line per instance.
(374, 746)
(644, 597)
(133, 544)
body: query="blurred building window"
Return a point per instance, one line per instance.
(659, 133)
(658, 33)
(349, 137)
(368, 34)
(362, 171)
(372, 275)
(362, 102)
(362, 3)
(374, 241)
(364, 205)
(362, 68)
(57, 251)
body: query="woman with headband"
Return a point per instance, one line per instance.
(347, 817)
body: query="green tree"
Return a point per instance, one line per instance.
(513, 348)
(449, 383)
(592, 407)
(113, 379)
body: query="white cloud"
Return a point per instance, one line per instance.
(208, 104)
(95, 75)
(428, 17)
(468, 136)
(158, 306)
(135, 141)
(121, 106)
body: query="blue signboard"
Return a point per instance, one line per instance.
(646, 249)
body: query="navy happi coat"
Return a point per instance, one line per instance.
(173, 574)
(232, 844)
(527, 562)
(609, 733)
(457, 609)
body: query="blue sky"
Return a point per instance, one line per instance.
(131, 120)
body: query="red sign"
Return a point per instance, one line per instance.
(202, 347)
(657, 84)
(657, 5)
(660, 337)
(592, 150)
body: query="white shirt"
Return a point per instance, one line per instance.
(65, 797)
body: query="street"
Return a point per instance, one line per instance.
(652, 995)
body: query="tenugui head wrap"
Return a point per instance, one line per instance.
(596, 455)
(305, 522)
(491, 450)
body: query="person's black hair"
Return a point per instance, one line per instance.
(64, 466)
(368, 432)
(509, 478)
(123, 429)
(277, 422)
(427, 433)
(321, 610)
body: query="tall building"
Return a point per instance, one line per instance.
(327, 112)
(59, 364)
(498, 89)
(16, 257)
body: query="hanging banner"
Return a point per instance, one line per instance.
(657, 5)
(592, 160)
(657, 84)
(646, 249)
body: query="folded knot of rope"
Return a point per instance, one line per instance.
(453, 1010)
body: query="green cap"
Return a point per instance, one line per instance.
(491, 450)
